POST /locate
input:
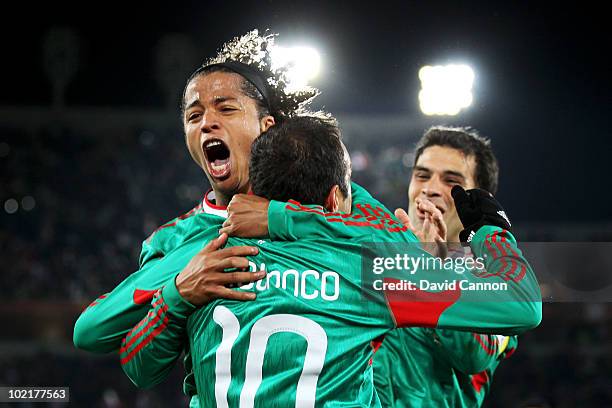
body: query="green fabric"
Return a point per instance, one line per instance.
(327, 294)
(420, 367)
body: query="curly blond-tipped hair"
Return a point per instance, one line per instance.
(254, 50)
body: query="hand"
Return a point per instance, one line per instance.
(247, 217)
(204, 279)
(477, 207)
(432, 233)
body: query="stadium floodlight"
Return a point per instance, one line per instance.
(445, 89)
(303, 64)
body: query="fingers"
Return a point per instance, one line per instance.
(440, 225)
(228, 278)
(227, 293)
(241, 250)
(426, 231)
(215, 244)
(403, 217)
(227, 229)
(427, 206)
(435, 218)
(237, 262)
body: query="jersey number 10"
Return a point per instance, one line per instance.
(312, 332)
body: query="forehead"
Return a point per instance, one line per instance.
(442, 159)
(216, 84)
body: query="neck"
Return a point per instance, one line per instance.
(223, 198)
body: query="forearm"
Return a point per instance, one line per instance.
(470, 353)
(502, 299)
(149, 350)
(106, 320)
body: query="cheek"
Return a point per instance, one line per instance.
(244, 143)
(413, 190)
(192, 140)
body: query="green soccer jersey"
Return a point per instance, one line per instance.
(308, 338)
(420, 367)
(162, 331)
(105, 323)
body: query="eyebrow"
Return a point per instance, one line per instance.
(445, 172)
(221, 99)
(192, 104)
(216, 100)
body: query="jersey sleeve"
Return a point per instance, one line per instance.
(504, 298)
(471, 353)
(291, 221)
(150, 349)
(102, 325)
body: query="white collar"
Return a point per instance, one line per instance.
(209, 206)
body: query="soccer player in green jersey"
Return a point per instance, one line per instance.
(309, 337)
(227, 103)
(420, 367)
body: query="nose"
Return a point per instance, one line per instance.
(210, 122)
(432, 187)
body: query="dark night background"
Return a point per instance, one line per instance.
(541, 89)
(541, 93)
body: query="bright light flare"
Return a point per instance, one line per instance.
(303, 64)
(445, 89)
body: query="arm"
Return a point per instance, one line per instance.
(151, 347)
(104, 323)
(471, 353)
(512, 309)
(250, 216)
(106, 320)
(291, 221)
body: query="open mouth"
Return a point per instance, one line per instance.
(217, 158)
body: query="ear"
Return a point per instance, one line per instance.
(332, 202)
(266, 122)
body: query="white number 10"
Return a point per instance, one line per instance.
(316, 340)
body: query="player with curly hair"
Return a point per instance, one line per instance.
(227, 103)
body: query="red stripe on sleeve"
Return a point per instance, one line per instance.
(160, 313)
(523, 270)
(490, 351)
(146, 341)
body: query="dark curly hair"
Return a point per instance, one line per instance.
(254, 50)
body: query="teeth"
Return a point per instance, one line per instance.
(212, 143)
(220, 167)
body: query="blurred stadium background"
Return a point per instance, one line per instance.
(92, 159)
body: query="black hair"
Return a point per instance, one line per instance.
(469, 143)
(254, 50)
(248, 89)
(301, 158)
